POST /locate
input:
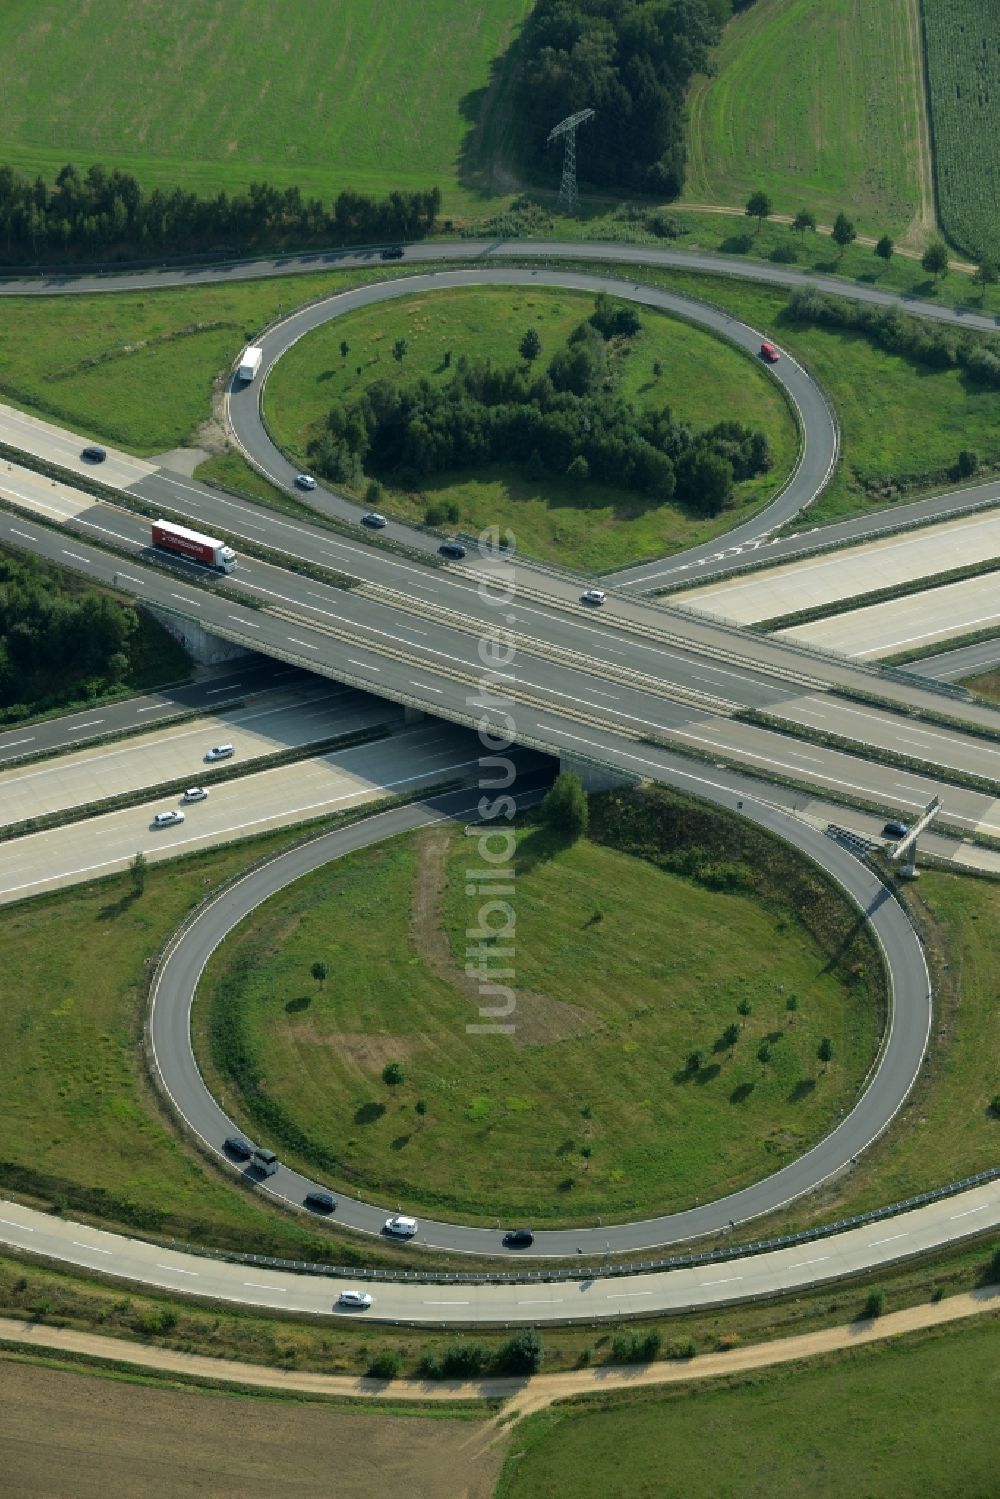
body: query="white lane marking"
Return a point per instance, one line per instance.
(447, 1303)
(365, 665)
(24, 534)
(241, 621)
(305, 643)
(229, 687)
(140, 582)
(185, 600)
(92, 1247)
(631, 1293)
(426, 687)
(412, 629)
(155, 708)
(88, 725)
(22, 1226)
(968, 1211)
(175, 1269)
(800, 1263)
(541, 1301)
(727, 1282)
(612, 697)
(256, 1286)
(76, 557)
(14, 742)
(876, 1242)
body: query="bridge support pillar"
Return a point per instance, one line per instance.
(202, 646)
(595, 777)
(413, 715)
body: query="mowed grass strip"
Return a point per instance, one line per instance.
(963, 68)
(906, 1417)
(589, 1108)
(700, 377)
(817, 102)
(364, 94)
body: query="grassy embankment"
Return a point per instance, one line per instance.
(590, 1109)
(905, 1417)
(587, 525)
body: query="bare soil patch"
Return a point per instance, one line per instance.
(368, 1052)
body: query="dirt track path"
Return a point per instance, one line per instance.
(522, 1396)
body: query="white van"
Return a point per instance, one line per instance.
(401, 1226)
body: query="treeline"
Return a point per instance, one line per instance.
(938, 347)
(53, 642)
(631, 61)
(565, 421)
(102, 215)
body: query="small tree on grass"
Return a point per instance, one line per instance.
(825, 1051)
(565, 806)
(731, 1035)
(399, 349)
(521, 1354)
(935, 258)
(804, 220)
(137, 869)
(985, 274)
(759, 208)
(695, 1061)
(967, 463)
(392, 1074)
(764, 1053)
(345, 348)
(385, 1364)
(844, 232)
(995, 1105)
(995, 1266)
(884, 248)
(318, 971)
(875, 1304)
(531, 345)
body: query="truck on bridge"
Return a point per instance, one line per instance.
(193, 546)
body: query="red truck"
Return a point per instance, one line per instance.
(193, 546)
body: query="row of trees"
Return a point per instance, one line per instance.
(109, 215)
(629, 60)
(566, 421)
(50, 640)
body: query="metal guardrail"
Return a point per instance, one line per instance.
(604, 1271)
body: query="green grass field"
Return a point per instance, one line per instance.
(907, 1417)
(819, 103)
(963, 70)
(364, 94)
(589, 1109)
(897, 420)
(590, 526)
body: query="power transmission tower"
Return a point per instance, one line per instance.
(568, 128)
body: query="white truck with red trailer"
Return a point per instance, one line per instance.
(193, 546)
(250, 362)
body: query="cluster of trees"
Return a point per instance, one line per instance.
(631, 62)
(565, 421)
(51, 641)
(109, 215)
(940, 348)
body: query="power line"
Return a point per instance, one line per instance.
(567, 128)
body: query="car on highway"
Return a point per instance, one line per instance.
(167, 819)
(392, 252)
(374, 520)
(238, 1146)
(195, 794)
(320, 1202)
(94, 453)
(220, 752)
(354, 1298)
(400, 1225)
(769, 352)
(451, 549)
(519, 1238)
(593, 596)
(305, 481)
(895, 829)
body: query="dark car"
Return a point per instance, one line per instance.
(94, 454)
(374, 519)
(237, 1146)
(895, 830)
(451, 549)
(519, 1238)
(392, 252)
(321, 1202)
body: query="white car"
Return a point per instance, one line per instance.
(401, 1226)
(220, 752)
(167, 819)
(354, 1298)
(305, 481)
(195, 794)
(593, 596)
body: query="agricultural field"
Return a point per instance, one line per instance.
(364, 94)
(963, 67)
(820, 104)
(592, 1106)
(906, 1417)
(701, 378)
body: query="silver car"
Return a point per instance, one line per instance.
(354, 1298)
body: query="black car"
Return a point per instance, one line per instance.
(321, 1202)
(94, 454)
(519, 1238)
(451, 549)
(895, 830)
(237, 1146)
(392, 252)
